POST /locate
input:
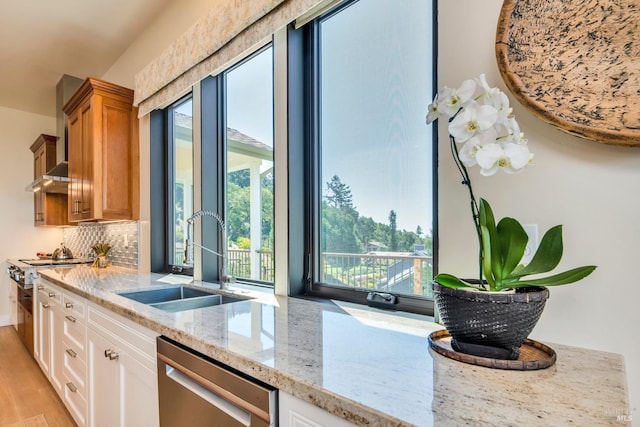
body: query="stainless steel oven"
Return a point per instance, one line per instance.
(24, 272)
(195, 391)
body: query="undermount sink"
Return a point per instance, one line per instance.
(179, 298)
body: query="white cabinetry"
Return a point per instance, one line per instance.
(60, 345)
(293, 412)
(123, 385)
(102, 365)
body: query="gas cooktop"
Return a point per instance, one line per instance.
(37, 262)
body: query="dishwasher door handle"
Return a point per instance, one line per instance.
(222, 399)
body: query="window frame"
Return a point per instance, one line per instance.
(305, 52)
(162, 180)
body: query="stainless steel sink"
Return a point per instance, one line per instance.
(179, 298)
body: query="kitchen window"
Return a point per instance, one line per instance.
(232, 115)
(355, 208)
(370, 164)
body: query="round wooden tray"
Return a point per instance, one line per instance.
(533, 354)
(575, 64)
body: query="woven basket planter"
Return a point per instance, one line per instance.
(489, 324)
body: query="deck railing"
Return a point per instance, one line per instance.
(408, 274)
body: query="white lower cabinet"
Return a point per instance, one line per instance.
(294, 412)
(123, 386)
(60, 343)
(102, 365)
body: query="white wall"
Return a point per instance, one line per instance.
(18, 237)
(590, 188)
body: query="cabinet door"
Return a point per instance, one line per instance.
(294, 412)
(28, 330)
(43, 335)
(138, 393)
(103, 382)
(38, 169)
(80, 150)
(57, 349)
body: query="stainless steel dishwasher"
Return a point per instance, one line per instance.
(194, 390)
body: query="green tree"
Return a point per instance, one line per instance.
(267, 211)
(338, 194)
(393, 232)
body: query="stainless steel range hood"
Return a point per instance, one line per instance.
(57, 179)
(54, 181)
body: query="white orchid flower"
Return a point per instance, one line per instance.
(454, 99)
(510, 157)
(468, 152)
(482, 81)
(433, 111)
(474, 118)
(519, 157)
(513, 131)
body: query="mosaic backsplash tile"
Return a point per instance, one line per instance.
(122, 236)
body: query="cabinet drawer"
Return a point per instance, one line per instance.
(52, 294)
(75, 335)
(75, 401)
(75, 369)
(74, 306)
(136, 340)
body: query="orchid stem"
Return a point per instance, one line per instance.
(475, 212)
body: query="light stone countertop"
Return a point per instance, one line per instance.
(367, 366)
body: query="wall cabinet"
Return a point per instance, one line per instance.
(294, 412)
(122, 371)
(49, 208)
(103, 153)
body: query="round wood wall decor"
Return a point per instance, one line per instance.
(575, 64)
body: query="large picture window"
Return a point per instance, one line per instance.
(373, 160)
(249, 151)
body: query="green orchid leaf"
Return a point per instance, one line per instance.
(563, 278)
(513, 242)
(451, 281)
(546, 257)
(487, 265)
(490, 241)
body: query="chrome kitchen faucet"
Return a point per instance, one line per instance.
(224, 278)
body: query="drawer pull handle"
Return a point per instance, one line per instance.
(45, 305)
(52, 294)
(71, 353)
(69, 305)
(112, 355)
(72, 387)
(40, 287)
(71, 319)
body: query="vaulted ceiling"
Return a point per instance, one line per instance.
(40, 40)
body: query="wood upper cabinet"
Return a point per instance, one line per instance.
(103, 152)
(49, 208)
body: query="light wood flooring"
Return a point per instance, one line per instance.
(24, 390)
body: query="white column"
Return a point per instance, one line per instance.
(255, 219)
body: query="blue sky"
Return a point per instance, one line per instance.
(376, 89)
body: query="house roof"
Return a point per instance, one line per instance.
(186, 121)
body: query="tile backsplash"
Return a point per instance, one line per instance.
(122, 236)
